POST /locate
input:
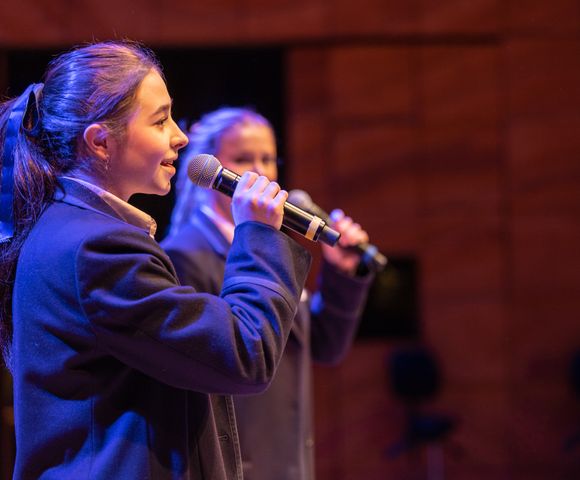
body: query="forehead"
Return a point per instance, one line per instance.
(249, 134)
(152, 93)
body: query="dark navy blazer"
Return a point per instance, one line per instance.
(275, 428)
(114, 362)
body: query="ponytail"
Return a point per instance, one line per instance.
(27, 183)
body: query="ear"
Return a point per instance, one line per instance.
(98, 140)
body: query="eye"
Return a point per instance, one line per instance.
(162, 121)
(242, 160)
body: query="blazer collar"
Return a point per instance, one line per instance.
(73, 193)
(76, 193)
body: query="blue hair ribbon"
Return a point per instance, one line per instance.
(23, 116)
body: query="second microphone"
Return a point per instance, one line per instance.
(206, 171)
(370, 254)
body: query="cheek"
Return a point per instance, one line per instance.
(271, 172)
(147, 143)
(239, 168)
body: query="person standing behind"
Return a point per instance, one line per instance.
(121, 372)
(275, 428)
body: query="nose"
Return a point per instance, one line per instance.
(258, 167)
(180, 139)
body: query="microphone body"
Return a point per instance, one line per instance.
(370, 254)
(206, 171)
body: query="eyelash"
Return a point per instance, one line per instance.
(162, 121)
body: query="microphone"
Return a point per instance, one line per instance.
(370, 254)
(206, 171)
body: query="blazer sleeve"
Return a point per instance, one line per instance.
(141, 315)
(202, 269)
(336, 308)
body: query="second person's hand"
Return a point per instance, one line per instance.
(351, 234)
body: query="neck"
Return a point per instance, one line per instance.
(99, 181)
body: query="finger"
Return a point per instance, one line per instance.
(280, 199)
(353, 235)
(260, 184)
(336, 215)
(247, 180)
(343, 224)
(272, 189)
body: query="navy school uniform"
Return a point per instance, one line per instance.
(122, 373)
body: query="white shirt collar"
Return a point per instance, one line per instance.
(223, 224)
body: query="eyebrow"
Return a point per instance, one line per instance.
(163, 108)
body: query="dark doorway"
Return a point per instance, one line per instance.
(392, 310)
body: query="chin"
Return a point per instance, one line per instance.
(159, 186)
(162, 191)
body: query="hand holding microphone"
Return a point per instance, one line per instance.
(256, 193)
(344, 256)
(353, 237)
(258, 199)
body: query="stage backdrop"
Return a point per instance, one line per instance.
(449, 129)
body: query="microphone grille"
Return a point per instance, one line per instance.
(203, 170)
(300, 198)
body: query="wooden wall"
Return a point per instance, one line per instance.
(457, 144)
(451, 130)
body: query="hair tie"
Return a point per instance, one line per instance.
(23, 115)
